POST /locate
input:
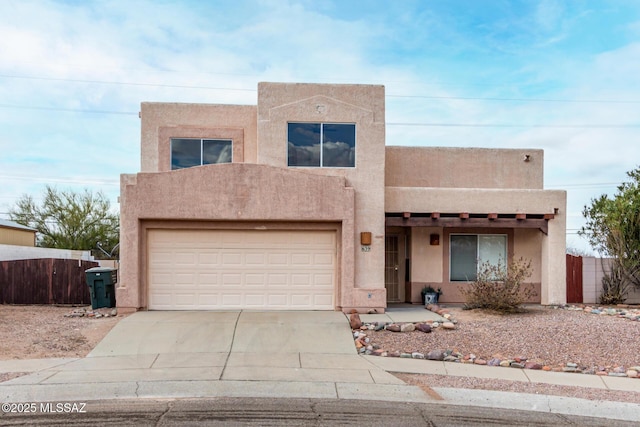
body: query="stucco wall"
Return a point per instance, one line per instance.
(207, 121)
(228, 193)
(464, 167)
(280, 103)
(593, 270)
(454, 200)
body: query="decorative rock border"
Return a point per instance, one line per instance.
(364, 345)
(95, 314)
(622, 311)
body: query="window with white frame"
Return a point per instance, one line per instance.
(469, 251)
(323, 145)
(189, 152)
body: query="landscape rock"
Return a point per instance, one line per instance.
(393, 327)
(407, 327)
(435, 355)
(448, 325)
(354, 321)
(493, 362)
(423, 327)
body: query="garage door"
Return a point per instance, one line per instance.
(241, 269)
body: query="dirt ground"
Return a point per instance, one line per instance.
(34, 332)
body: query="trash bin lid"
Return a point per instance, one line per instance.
(100, 270)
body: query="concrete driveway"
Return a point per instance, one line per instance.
(209, 354)
(176, 332)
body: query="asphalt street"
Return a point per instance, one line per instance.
(286, 412)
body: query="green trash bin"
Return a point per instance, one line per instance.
(101, 282)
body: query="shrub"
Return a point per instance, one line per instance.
(500, 288)
(614, 286)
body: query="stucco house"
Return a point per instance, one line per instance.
(297, 203)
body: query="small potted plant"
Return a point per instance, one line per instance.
(430, 295)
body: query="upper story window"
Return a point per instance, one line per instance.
(470, 251)
(324, 145)
(188, 152)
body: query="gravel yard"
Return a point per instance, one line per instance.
(552, 337)
(42, 331)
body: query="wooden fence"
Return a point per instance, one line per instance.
(44, 281)
(574, 279)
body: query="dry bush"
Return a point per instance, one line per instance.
(500, 288)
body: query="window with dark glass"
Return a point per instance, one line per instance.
(189, 152)
(326, 145)
(470, 251)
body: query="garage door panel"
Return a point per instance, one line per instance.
(255, 259)
(234, 269)
(232, 259)
(323, 281)
(301, 259)
(278, 259)
(277, 279)
(208, 258)
(301, 280)
(208, 281)
(232, 279)
(253, 280)
(231, 300)
(208, 300)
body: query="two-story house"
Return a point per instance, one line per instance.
(296, 203)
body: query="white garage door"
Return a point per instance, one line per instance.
(234, 269)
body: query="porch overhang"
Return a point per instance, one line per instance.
(467, 220)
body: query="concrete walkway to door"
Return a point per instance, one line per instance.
(160, 354)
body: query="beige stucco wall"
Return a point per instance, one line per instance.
(226, 195)
(593, 270)
(207, 121)
(464, 167)
(454, 200)
(280, 103)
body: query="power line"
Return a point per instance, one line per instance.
(415, 124)
(106, 82)
(504, 125)
(471, 98)
(580, 101)
(67, 110)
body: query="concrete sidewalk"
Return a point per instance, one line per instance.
(275, 354)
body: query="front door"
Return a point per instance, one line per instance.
(392, 268)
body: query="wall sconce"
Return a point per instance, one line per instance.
(365, 238)
(434, 239)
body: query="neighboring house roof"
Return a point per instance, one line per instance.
(10, 224)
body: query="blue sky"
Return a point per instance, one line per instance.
(563, 76)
